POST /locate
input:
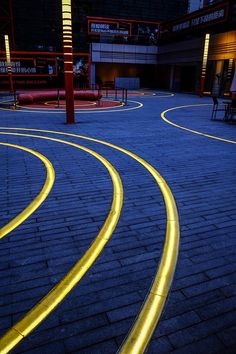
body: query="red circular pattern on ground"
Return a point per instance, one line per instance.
(87, 105)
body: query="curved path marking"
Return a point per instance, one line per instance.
(102, 110)
(149, 316)
(53, 103)
(39, 199)
(42, 309)
(192, 130)
(98, 108)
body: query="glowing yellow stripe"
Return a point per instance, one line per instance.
(150, 314)
(191, 130)
(40, 311)
(7, 46)
(56, 111)
(40, 197)
(66, 22)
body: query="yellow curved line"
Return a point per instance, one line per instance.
(50, 178)
(53, 103)
(41, 310)
(149, 316)
(121, 104)
(191, 130)
(44, 110)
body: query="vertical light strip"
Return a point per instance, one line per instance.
(205, 54)
(230, 68)
(204, 61)
(8, 61)
(68, 60)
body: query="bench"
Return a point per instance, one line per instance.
(32, 97)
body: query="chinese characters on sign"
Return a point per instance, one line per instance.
(218, 14)
(25, 66)
(196, 20)
(17, 68)
(110, 28)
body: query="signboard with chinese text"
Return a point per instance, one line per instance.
(29, 67)
(121, 27)
(199, 19)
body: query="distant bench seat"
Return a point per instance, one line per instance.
(28, 98)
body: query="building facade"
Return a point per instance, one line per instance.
(111, 39)
(181, 50)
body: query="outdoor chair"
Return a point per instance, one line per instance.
(218, 107)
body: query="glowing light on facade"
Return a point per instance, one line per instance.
(230, 68)
(205, 54)
(204, 61)
(68, 59)
(8, 60)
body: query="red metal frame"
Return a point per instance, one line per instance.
(36, 54)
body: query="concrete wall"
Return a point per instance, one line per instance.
(121, 53)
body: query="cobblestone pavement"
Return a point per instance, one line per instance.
(200, 314)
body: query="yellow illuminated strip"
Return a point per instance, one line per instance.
(150, 314)
(191, 130)
(230, 68)
(66, 22)
(40, 197)
(205, 54)
(41, 310)
(8, 57)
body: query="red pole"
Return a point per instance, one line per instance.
(202, 85)
(68, 60)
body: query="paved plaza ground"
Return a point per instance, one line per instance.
(200, 313)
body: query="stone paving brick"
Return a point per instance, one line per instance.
(227, 336)
(49, 348)
(161, 344)
(95, 318)
(101, 348)
(212, 344)
(202, 329)
(219, 307)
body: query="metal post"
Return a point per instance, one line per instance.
(14, 99)
(68, 60)
(58, 98)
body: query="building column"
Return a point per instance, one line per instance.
(92, 74)
(172, 75)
